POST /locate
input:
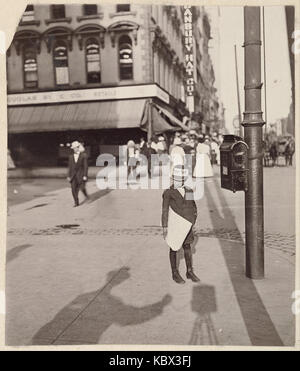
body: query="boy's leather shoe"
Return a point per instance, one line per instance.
(177, 277)
(191, 275)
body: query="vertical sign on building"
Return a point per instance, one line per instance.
(189, 55)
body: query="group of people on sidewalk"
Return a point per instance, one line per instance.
(205, 147)
(274, 149)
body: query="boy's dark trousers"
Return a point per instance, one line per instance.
(76, 186)
(189, 265)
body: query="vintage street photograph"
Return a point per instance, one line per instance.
(151, 175)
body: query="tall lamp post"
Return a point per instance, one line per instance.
(238, 93)
(253, 134)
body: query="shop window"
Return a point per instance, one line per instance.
(61, 66)
(28, 15)
(58, 11)
(93, 61)
(90, 9)
(123, 8)
(125, 58)
(30, 67)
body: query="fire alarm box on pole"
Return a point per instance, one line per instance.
(234, 163)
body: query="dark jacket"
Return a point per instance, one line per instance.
(144, 149)
(185, 208)
(79, 169)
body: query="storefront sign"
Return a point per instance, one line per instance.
(189, 50)
(81, 95)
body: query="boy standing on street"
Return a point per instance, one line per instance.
(179, 214)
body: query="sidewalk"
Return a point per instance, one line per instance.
(99, 274)
(45, 172)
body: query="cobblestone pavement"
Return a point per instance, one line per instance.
(276, 241)
(222, 219)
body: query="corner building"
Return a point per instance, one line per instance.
(88, 72)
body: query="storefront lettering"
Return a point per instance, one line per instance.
(189, 52)
(143, 91)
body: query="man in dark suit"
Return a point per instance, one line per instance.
(147, 151)
(78, 171)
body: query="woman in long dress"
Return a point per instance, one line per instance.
(203, 168)
(131, 164)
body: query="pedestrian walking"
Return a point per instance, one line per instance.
(179, 214)
(203, 168)
(143, 147)
(186, 145)
(161, 145)
(78, 171)
(177, 139)
(131, 156)
(215, 149)
(175, 142)
(289, 152)
(193, 141)
(274, 153)
(153, 143)
(177, 156)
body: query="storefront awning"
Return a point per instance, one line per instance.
(76, 116)
(172, 119)
(159, 124)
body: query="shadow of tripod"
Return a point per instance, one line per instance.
(204, 303)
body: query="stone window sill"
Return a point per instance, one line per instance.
(31, 89)
(58, 20)
(62, 86)
(88, 17)
(122, 82)
(116, 14)
(29, 23)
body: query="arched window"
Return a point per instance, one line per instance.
(61, 65)
(125, 58)
(30, 66)
(93, 61)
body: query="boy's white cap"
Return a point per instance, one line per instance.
(179, 173)
(75, 144)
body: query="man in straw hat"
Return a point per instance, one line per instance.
(179, 213)
(78, 170)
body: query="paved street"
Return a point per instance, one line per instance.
(20, 190)
(99, 274)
